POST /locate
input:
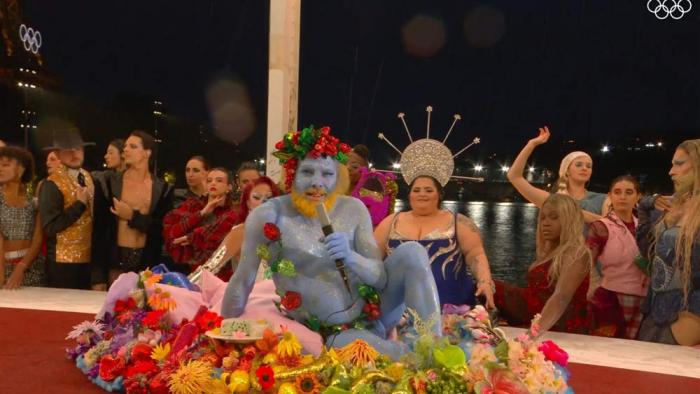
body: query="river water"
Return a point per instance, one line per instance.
(508, 232)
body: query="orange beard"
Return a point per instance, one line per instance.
(308, 208)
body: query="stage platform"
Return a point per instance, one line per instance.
(34, 322)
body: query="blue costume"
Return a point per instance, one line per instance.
(454, 282)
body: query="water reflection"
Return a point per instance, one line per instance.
(508, 232)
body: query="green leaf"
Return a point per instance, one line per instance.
(450, 356)
(502, 351)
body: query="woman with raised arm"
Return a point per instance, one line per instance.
(575, 172)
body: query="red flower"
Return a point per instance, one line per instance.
(159, 384)
(325, 130)
(141, 352)
(266, 376)
(153, 319)
(291, 300)
(124, 305)
(554, 353)
(208, 321)
(147, 368)
(345, 148)
(279, 145)
(111, 367)
(272, 232)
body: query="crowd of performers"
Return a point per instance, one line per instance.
(616, 264)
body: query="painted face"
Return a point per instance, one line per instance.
(355, 162)
(623, 196)
(52, 162)
(581, 169)
(259, 195)
(134, 152)
(316, 178)
(10, 170)
(550, 226)
(424, 195)
(245, 177)
(681, 171)
(217, 183)
(195, 174)
(113, 158)
(71, 158)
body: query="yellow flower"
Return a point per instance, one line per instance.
(160, 352)
(193, 377)
(395, 370)
(288, 346)
(307, 384)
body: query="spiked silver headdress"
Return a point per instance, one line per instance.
(429, 157)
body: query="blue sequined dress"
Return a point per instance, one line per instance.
(454, 282)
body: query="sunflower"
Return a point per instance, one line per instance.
(193, 377)
(307, 383)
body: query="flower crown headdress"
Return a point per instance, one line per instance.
(297, 145)
(429, 157)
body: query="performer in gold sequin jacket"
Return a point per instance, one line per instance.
(65, 206)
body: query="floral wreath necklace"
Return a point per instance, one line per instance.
(292, 300)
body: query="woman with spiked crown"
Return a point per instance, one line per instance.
(457, 257)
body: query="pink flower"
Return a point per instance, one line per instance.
(500, 381)
(554, 353)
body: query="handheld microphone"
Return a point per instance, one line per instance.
(328, 230)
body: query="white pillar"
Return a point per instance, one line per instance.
(283, 76)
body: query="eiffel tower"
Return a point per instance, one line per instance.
(23, 74)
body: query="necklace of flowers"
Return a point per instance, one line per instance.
(292, 300)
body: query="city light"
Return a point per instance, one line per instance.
(531, 169)
(370, 164)
(478, 168)
(157, 113)
(605, 149)
(396, 166)
(659, 144)
(505, 168)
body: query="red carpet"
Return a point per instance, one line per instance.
(32, 360)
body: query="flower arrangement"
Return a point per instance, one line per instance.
(297, 145)
(138, 349)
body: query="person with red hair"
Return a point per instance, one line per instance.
(254, 195)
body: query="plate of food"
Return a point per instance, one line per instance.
(239, 330)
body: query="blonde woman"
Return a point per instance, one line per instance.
(672, 307)
(575, 172)
(558, 280)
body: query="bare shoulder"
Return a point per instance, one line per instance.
(465, 222)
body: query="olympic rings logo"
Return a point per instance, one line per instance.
(676, 10)
(30, 38)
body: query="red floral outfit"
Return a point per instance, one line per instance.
(204, 233)
(519, 305)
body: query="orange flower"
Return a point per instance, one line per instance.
(161, 300)
(307, 383)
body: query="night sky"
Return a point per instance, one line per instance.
(595, 71)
